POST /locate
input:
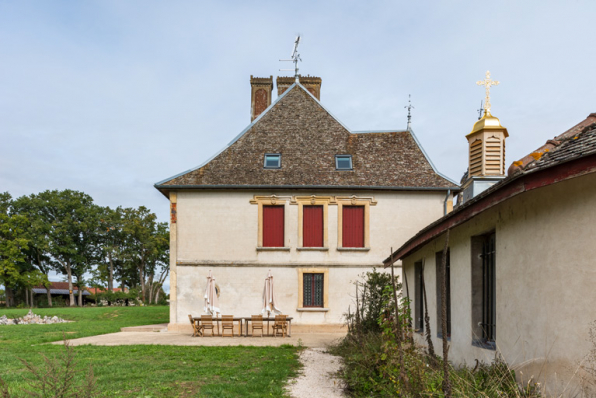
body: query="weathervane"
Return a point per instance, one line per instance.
(480, 111)
(409, 107)
(487, 83)
(295, 57)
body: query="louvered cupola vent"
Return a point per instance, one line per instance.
(494, 156)
(476, 158)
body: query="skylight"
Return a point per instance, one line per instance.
(272, 161)
(343, 162)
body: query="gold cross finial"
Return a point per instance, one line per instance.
(487, 83)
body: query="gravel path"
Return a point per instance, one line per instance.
(317, 378)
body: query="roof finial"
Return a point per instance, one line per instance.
(480, 111)
(295, 57)
(409, 107)
(487, 83)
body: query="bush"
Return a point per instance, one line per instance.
(371, 302)
(116, 298)
(381, 360)
(57, 301)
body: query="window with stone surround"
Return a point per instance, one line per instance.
(353, 218)
(313, 289)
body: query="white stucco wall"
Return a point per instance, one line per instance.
(546, 279)
(242, 292)
(218, 231)
(222, 226)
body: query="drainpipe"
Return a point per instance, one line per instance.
(445, 202)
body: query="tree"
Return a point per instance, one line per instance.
(38, 252)
(113, 241)
(73, 232)
(13, 245)
(147, 246)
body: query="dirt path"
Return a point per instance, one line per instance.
(317, 378)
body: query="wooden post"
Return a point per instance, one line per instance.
(397, 321)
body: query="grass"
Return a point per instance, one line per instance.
(144, 370)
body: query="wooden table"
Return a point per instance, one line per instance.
(288, 319)
(218, 320)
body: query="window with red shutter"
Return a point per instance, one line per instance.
(273, 226)
(353, 226)
(312, 226)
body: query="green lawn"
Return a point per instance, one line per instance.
(141, 370)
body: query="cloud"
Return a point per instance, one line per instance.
(109, 97)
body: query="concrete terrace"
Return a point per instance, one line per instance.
(158, 335)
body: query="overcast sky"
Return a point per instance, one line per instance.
(109, 97)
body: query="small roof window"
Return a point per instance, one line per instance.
(272, 161)
(343, 162)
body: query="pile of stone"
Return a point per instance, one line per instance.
(31, 319)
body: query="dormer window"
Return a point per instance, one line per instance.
(272, 161)
(343, 162)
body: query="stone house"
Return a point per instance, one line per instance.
(299, 194)
(521, 270)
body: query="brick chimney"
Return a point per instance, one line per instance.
(311, 83)
(260, 95)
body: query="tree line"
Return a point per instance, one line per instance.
(90, 245)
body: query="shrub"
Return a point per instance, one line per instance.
(371, 302)
(382, 360)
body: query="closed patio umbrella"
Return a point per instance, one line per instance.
(269, 302)
(211, 301)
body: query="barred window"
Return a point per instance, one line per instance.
(313, 290)
(484, 297)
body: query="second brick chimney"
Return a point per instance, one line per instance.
(311, 83)
(260, 95)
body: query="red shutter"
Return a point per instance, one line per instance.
(353, 226)
(312, 226)
(273, 226)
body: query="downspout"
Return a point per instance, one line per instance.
(445, 202)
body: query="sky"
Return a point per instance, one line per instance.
(110, 97)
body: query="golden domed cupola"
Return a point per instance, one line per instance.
(487, 147)
(486, 155)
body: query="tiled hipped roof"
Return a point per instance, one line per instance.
(308, 138)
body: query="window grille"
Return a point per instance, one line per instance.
(313, 290)
(439, 263)
(418, 297)
(489, 289)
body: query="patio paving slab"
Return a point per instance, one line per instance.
(160, 327)
(313, 340)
